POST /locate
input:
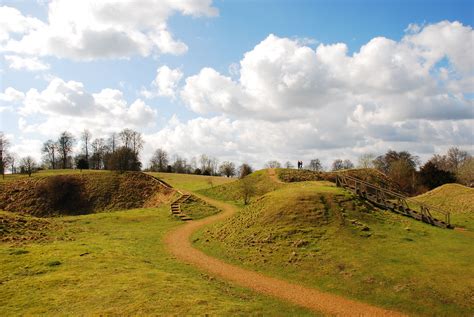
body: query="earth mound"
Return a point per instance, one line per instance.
(454, 198)
(370, 175)
(82, 194)
(295, 216)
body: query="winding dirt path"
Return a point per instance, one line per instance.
(178, 243)
(273, 175)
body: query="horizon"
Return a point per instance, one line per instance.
(241, 81)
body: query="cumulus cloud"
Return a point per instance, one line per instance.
(86, 30)
(409, 94)
(69, 106)
(11, 95)
(165, 83)
(25, 63)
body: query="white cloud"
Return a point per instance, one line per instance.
(88, 29)
(26, 63)
(68, 106)
(410, 94)
(11, 95)
(165, 83)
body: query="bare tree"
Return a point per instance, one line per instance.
(179, 164)
(455, 158)
(12, 159)
(227, 168)
(288, 164)
(112, 142)
(50, 151)
(273, 164)
(86, 138)
(337, 165)
(247, 189)
(159, 161)
(4, 145)
(99, 150)
(244, 170)
(315, 165)
(28, 165)
(366, 160)
(65, 145)
(347, 164)
(465, 173)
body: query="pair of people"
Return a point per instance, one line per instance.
(300, 165)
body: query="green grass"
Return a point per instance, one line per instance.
(322, 237)
(46, 173)
(115, 263)
(192, 182)
(259, 180)
(197, 208)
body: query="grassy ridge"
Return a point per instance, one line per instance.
(115, 263)
(454, 198)
(260, 181)
(192, 182)
(47, 173)
(320, 236)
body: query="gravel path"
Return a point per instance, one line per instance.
(178, 243)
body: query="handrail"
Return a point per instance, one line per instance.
(362, 188)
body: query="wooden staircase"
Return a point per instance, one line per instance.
(176, 207)
(396, 202)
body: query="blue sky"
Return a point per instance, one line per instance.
(219, 101)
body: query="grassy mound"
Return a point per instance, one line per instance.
(197, 208)
(368, 174)
(17, 228)
(454, 198)
(323, 237)
(260, 182)
(81, 194)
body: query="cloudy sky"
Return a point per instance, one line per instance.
(241, 80)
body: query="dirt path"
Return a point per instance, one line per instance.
(178, 243)
(273, 175)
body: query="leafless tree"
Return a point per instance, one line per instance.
(4, 145)
(65, 146)
(247, 189)
(86, 139)
(456, 157)
(465, 173)
(288, 164)
(159, 161)
(244, 170)
(98, 153)
(28, 165)
(272, 164)
(227, 168)
(50, 151)
(347, 164)
(337, 165)
(12, 160)
(366, 160)
(112, 142)
(315, 165)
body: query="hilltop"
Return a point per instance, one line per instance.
(454, 198)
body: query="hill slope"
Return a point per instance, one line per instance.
(321, 236)
(454, 198)
(81, 194)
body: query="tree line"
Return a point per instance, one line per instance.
(121, 152)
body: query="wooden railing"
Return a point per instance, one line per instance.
(390, 200)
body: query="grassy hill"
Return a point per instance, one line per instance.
(114, 264)
(260, 181)
(81, 193)
(455, 198)
(321, 236)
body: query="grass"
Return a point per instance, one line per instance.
(115, 264)
(192, 182)
(260, 181)
(197, 208)
(454, 198)
(322, 237)
(81, 194)
(46, 173)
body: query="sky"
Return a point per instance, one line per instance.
(245, 81)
